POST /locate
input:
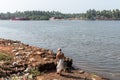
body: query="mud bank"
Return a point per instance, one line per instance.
(23, 61)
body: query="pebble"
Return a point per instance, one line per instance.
(93, 79)
(1, 63)
(32, 59)
(15, 43)
(39, 53)
(20, 48)
(28, 54)
(46, 59)
(81, 71)
(14, 63)
(17, 54)
(27, 74)
(14, 50)
(9, 44)
(55, 79)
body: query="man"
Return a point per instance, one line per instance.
(60, 61)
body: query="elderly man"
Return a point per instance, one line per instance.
(60, 61)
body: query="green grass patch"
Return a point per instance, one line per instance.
(35, 72)
(5, 57)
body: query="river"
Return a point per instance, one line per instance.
(93, 45)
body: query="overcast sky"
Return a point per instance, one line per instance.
(64, 6)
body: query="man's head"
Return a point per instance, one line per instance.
(59, 49)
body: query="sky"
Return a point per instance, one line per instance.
(64, 6)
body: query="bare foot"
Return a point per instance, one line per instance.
(57, 73)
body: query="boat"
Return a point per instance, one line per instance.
(18, 18)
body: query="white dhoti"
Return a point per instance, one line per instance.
(60, 65)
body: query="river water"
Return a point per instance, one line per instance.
(93, 45)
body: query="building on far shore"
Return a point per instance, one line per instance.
(56, 18)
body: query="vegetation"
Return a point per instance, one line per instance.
(91, 14)
(35, 72)
(103, 15)
(5, 57)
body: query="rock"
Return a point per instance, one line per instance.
(81, 72)
(15, 63)
(50, 52)
(68, 62)
(9, 44)
(28, 54)
(27, 74)
(15, 43)
(1, 63)
(30, 77)
(32, 60)
(43, 50)
(40, 78)
(55, 79)
(17, 54)
(46, 59)
(39, 53)
(21, 48)
(15, 50)
(27, 69)
(105, 78)
(93, 79)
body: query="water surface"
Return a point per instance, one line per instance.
(93, 45)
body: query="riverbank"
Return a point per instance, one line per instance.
(21, 60)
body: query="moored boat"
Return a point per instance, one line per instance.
(18, 18)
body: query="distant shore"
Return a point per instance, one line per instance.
(90, 14)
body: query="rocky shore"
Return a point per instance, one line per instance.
(19, 61)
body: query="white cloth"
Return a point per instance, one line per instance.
(60, 65)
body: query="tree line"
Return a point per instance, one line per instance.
(90, 14)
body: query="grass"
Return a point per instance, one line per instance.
(35, 72)
(5, 56)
